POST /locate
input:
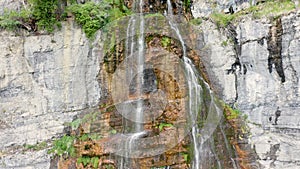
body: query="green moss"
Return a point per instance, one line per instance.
(36, 147)
(234, 113)
(154, 15)
(272, 8)
(196, 21)
(222, 20)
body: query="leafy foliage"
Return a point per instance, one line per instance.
(84, 160)
(163, 125)
(64, 146)
(165, 41)
(94, 161)
(93, 16)
(46, 13)
(11, 20)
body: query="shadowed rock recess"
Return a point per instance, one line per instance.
(67, 101)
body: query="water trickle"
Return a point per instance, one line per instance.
(134, 50)
(195, 96)
(140, 75)
(193, 86)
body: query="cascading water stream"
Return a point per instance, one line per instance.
(140, 75)
(195, 101)
(134, 76)
(135, 61)
(193, 87)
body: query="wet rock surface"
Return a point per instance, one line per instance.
(47, 80)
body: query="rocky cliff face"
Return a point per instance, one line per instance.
(260, 76)
(45, 80)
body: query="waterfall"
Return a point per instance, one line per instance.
(140, 75)
(200, 97)
(195, 100)
(134, 61)
(194, 89)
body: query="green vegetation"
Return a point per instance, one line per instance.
(234, 113)
(93, 16)
(186, 157)
(224, 43)
(75, 124)
(163, 125)
(47, 14)
(87, 118)
(11, 20)
(40, 14)
(272, 8)
(113, 131)
(161, 167)
(196, 21)
(64, 146)
(94, 161)
(154, 15)
(187, 4)
(108, 166)
(222, 20)
(36, 147)
(165, 41)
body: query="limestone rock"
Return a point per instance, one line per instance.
(203, 8)
(10, 5)
(259, 91)
(45, 81)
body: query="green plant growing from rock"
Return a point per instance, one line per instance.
(108, 166)
(93, 161)
(64, 146)
(36, 147)
(224, 43)
(161, 126)
(165, 41)
(46, 14)
(234, 113)
(196, 21)
(272, 8)
(94, 16)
